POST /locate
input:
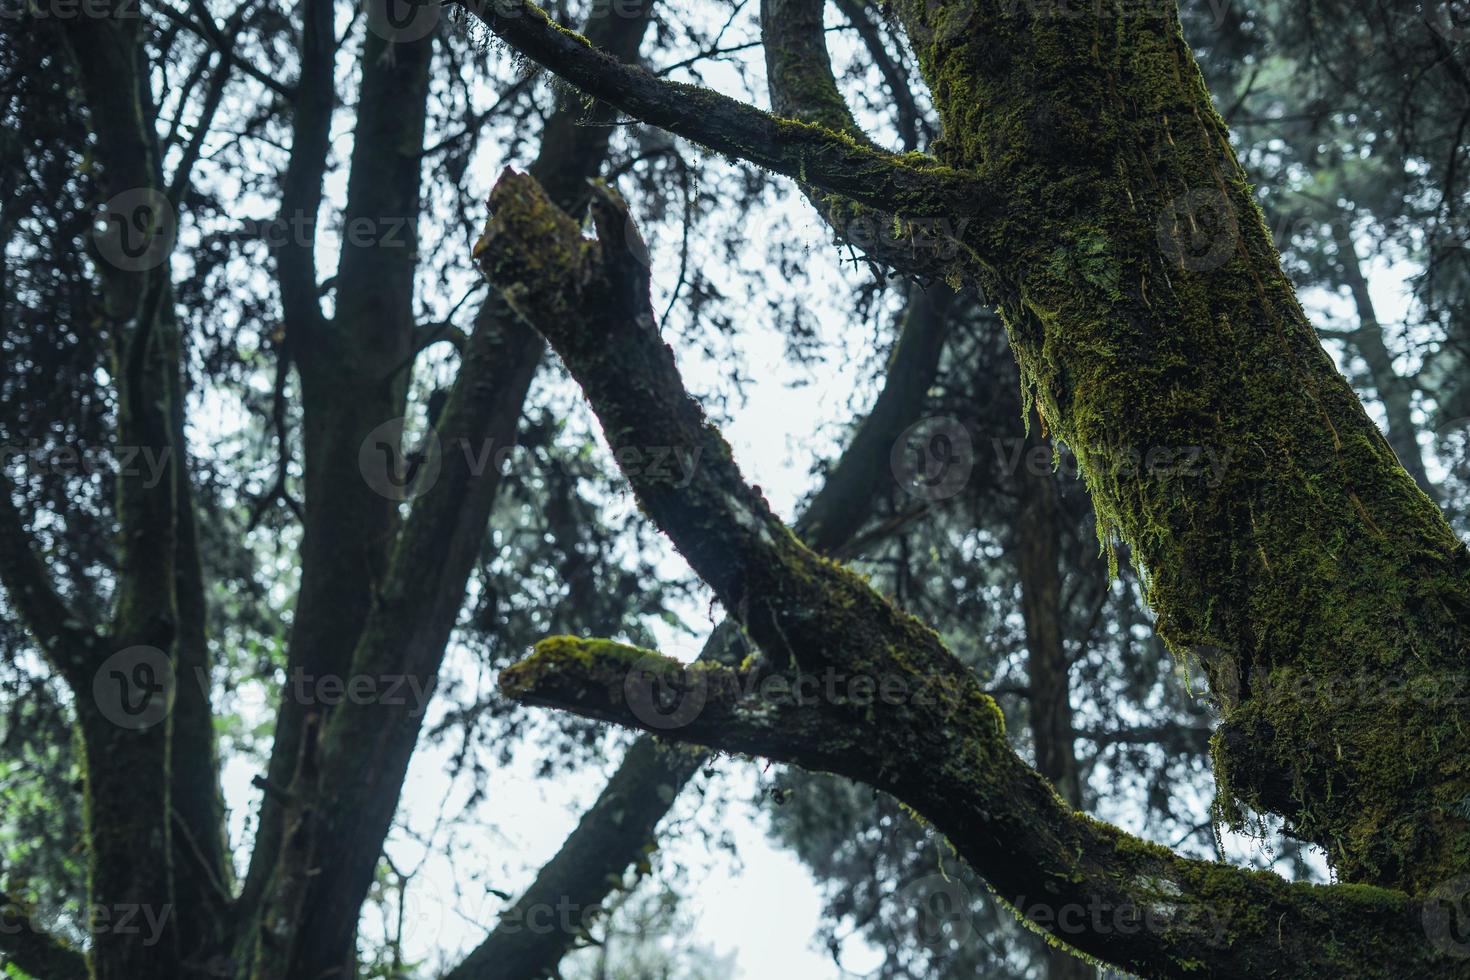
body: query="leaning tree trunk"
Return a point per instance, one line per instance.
(1155, 330)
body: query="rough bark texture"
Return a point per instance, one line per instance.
(146, 849)
(1167, 325)
(352, 382)
(930, 736)
(614, 834)
(1113, 226)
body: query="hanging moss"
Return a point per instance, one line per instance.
(1149, 315)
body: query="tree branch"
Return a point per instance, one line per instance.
(68, 642)
(831, 161)
(210, 32)
(612, 834)
(911, 121)
(876, 696)
(416, 600)
(803, 87)
(24, 943)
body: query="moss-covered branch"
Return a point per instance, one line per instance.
(1151, 322)
(856, 687)
(1093, 887)
(616, 832)
(832, 161)
(803, 87)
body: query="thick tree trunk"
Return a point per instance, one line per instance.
(932, 737)
(1156, 332)
(353, 382)
(1089, 161)
(124, 694)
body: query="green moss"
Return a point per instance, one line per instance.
(1145, 302)
(577, 657)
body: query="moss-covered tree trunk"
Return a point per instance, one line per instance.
(1281, 540)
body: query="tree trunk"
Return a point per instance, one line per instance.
(1394, 391)
(1281, 539)
(1037, 549)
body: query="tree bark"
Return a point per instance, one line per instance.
(339, 815)
(149, 852)
(1282, 542)
(934, 739)
(614, 833)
